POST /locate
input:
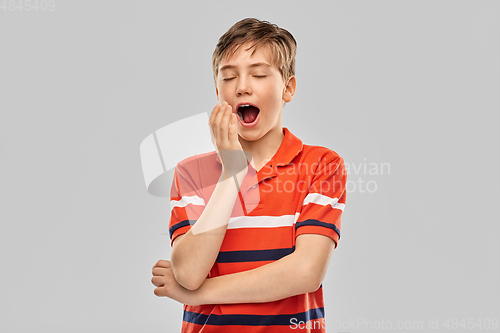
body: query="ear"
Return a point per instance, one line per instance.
(217, 92)
(289, 91)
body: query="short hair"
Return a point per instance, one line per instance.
(282, 44)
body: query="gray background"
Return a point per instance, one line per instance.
(414, 84)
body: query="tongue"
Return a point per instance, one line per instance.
(250, 114)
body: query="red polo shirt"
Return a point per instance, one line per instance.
(301, 190)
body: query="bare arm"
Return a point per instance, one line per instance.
(301, 272)
(194, 253)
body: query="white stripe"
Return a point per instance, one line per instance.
(194, 200)
(261, 221)
(321, 199)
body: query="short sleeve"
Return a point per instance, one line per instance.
(186, 202)
(325, 201)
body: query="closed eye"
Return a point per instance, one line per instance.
(258, 76)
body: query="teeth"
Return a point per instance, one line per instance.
(244, 105)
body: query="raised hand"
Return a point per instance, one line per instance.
(224, 131)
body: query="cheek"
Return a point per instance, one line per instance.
(273, 94)
(223, 92)
(277, 97)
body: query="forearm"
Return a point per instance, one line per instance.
(195, 253)
(286, 277)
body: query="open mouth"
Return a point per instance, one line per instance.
(248, 113)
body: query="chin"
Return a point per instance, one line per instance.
(251, 136)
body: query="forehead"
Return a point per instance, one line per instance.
(244, 55)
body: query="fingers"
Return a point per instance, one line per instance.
(219, 126)
(224, 130)
(213, 114)
(160, 292)
(160, 277)
(233, 130)
(159, 271)
(163, 263)
(158, 281)
(211, 122)
(219, 122)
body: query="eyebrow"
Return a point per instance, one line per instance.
(257, 64)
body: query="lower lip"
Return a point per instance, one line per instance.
(252, 124)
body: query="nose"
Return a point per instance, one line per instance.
(243, 87)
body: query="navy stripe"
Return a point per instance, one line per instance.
(318, 223)
(195, 318)
(253, 255)
(253, 320)
(180, 225)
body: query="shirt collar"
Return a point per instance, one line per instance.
(290, 147)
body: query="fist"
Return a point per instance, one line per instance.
(167, 286)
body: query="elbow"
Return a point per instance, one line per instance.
(312, 280)
(189, 283)
(189, 274)
(186, 278)
(310, 276)
(315, 285)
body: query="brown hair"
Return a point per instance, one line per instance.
(282, 44)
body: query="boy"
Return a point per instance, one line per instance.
(257, 265)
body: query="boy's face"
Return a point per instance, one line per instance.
(245, 79)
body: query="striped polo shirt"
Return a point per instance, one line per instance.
(301, 190)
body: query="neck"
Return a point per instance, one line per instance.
(263, 150)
